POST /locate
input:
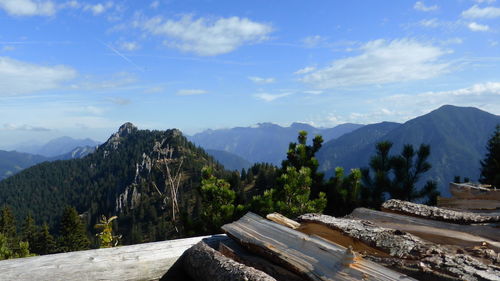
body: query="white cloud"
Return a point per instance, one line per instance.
(382, 62)
(313, 92)
(429, 23)
(476, 12)
(17, 77)
(485, 1)
(313, 41)
(28, 7)
(129, 46)
(8, 48)
(260, 80)
(207, 37)
(191, 92)
(420, 6)
(154, 4)
(98, 8)
(483, 95)
(120, 101)
(478, 27)
(305, 70)
(23, 127)
(270, 97)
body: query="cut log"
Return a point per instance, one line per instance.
(468, 191)
(202, 262)
(411, 252)
(436, 213)
(233, 250)
(311, 257)
(279, 218)
(468, 204)
(431, 230)
(147, 261)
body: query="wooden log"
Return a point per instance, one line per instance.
(311, 257)
(468, 191)
(279, 218)
(431, 230)
(436, 213)
(233, 250)
(148, 261)
(468, 204)
(203, 263)
(411, 251)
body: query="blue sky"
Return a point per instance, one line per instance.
(82, 68)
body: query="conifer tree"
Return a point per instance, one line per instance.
(29, 231)
(490, 165)
(8, 223)
(217, 201)
(45, 243)
(72, 230)
(380, 164)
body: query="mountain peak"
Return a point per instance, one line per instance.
(126, 129)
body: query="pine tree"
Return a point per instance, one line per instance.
(73, 235)
(302, 155)
(380, 164)
(8, 223)
(29, 231)
(45, 243)
(490, 165)
(217, 201)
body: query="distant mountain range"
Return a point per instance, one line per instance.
(12, 162)
(56, 147)
(457, 136)
(265, 142)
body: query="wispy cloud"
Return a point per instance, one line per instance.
(28, 7)
(305, 70)
(382, 62)
(205, 36)
(260, 80)
(17, 77)
(478, 27)
(476, 12)
(271, 97)
(129, 46)
(313, 41)
(23, 127)
(191, 92)
(118, 53)
(420, 6)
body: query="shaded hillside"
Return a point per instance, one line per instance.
(230, 161)
(266, 142)
(12, 162)
(124, 177)
(457, 136)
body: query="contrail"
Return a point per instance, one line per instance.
(122, 56)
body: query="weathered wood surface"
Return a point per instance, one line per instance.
(411, 251)
(436, 213)
(148, 261)
(280, 219)
(311, 257)
(467, 191)
(435, 231)
(203, 263)
(231, 249)
(468, 204)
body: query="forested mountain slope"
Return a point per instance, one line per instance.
(126, 176)
(457, 136)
